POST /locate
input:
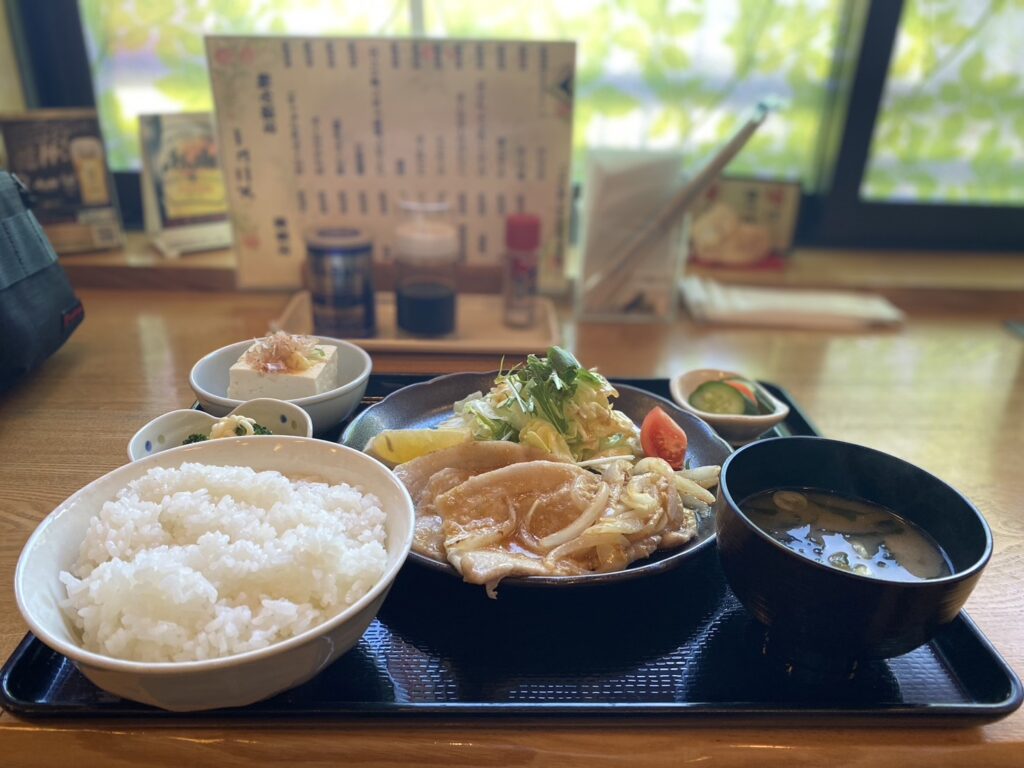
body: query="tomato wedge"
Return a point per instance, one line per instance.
(660, 436)
(743, 388)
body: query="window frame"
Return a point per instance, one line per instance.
(833, 215)
(838, 217)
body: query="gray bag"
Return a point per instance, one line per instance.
(38, 308)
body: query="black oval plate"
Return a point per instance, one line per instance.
(426, 405)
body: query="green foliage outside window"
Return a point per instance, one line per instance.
(650, 73)
(951, 127)
(149, 55)
(661, 74)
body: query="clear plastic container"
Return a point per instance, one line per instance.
(426, 252)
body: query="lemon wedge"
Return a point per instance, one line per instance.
(397, 446)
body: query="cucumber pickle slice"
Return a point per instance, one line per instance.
(717, 397)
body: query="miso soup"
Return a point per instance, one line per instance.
(856, 536)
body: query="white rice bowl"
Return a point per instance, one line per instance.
(227, 681)
(200, 562)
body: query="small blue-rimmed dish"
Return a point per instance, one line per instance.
(171, 429)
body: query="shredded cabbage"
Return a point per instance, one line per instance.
(554, 404)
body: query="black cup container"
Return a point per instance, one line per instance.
(339, 276)
(816, 611)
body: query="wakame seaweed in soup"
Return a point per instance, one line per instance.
(851, 535)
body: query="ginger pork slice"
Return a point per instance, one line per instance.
(430, 476)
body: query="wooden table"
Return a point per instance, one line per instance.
(946, 392)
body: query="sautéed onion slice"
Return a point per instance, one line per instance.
(512, 514)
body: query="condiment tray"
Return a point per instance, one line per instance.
(479, 328)
(678, 645)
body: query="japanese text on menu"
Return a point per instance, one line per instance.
(340, 131)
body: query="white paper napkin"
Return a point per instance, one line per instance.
(709, 301)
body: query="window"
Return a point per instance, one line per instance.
(148, 55)
(677, 74)
(649, 74)
(905, 120)
(952, 120)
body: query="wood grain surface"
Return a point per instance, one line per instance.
(945, 392)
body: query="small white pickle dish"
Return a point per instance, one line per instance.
(736, 429)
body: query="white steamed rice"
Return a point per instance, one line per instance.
(205, 561)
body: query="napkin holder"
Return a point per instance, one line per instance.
(627, 236)
(621, 190)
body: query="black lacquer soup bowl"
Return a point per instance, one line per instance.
(822, 612)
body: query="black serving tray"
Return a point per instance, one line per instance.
(676, 645)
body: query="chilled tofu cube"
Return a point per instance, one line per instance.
(246, 383)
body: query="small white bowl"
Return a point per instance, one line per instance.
(737, 429)
(232, 681)
(209, 380)
(171, 429)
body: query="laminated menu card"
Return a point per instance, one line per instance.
(59, 155)
(182, 184)
(744, 223)
(318, 131)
